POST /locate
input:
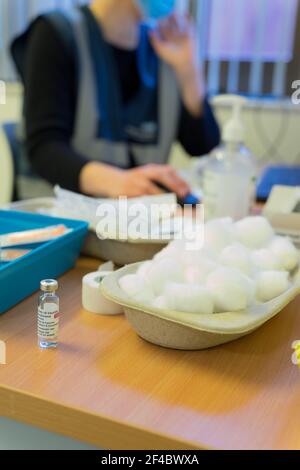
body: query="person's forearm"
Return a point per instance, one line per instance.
(192, 87)
(96, 179)
(198, 135)
(56, 162)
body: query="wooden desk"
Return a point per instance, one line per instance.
(106, 386)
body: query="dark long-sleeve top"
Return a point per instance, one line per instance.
(50, 108)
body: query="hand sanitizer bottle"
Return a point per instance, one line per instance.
(229, 177)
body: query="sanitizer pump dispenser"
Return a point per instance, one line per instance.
(229, 177)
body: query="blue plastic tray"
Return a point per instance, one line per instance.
(20, 278)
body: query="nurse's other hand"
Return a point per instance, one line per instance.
(175, 42)
(98, 179)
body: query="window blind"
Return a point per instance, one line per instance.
(258, 33)
(232, 35)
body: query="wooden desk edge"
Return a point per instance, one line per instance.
(76, 423)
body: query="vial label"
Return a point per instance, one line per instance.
(48, 322)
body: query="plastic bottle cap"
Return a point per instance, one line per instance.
(234, 129)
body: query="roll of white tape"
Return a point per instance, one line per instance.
(92, 299)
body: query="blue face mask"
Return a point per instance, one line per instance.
(156, 9)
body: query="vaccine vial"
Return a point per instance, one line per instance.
(48, 315)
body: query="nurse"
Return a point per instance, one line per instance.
(109, 88)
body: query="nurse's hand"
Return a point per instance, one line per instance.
(175, 43)
(98, 179)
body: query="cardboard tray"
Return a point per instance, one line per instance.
(178, 330)
(118, 251)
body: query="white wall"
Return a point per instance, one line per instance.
(265, 124)
(12, 109)
(272, 133)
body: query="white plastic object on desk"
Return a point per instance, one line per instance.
(92, 299)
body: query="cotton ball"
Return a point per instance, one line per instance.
(165, 252)
(254, 232)
(132, 284)
(231, 289)
(174, 249)
(198, 273)
(145, 296)
(162, 271)
(182, 250)
(195, 256)
(218, 234)
(237, 256)
(286, 253)
(265, 260)
(143, 269)
(271, 284)
(250, 284)
(189, 298)
(160, 302)
(137, 288)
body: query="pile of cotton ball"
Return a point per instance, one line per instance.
(238, 265)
